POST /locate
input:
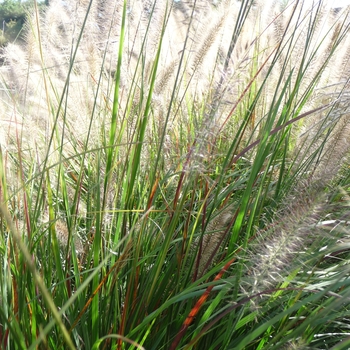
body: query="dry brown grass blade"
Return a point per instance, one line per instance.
(115, 269)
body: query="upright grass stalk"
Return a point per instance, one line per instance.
(37, 278)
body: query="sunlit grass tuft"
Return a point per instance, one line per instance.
(175, 175)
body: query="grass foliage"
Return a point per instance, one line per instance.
(175, 175)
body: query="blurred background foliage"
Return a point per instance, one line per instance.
(12, 17)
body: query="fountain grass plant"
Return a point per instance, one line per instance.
(176, 176)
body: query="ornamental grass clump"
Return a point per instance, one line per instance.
(175, 175)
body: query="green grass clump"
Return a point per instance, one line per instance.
(175, 176)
